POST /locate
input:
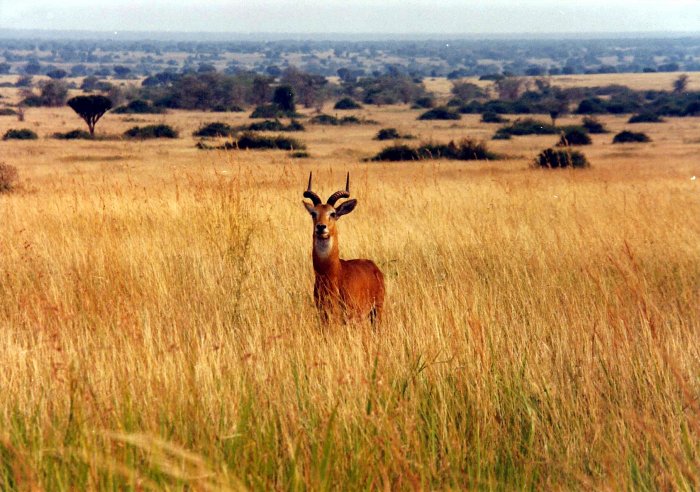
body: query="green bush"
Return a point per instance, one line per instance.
(293, 126)
(492, 117)
(560, 158)
(272, 111)
(215, 129)
(592, 125)
(139, 106)
(630, 137)
(276, 126)
(574, 135)
(73, 135)
(397, 152)
(21, 134)
(425, 102)
(227, 108)
(387, 134)
(151, 131)
(390, 134)
(528, 126)
(326, 119)
(439, 113)
(8, 177)
(347, 103)
(464, 150)
(253, 141)
(646, 118)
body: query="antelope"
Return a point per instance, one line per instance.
(347, 289)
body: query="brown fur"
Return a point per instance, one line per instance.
(347, 289)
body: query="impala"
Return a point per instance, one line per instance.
(350, 289)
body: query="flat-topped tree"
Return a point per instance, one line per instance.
(90, 108)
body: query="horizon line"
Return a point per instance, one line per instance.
(369, 35)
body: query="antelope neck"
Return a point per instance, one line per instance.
(325, 255)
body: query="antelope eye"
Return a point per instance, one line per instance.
(314, 215)
(333, 215)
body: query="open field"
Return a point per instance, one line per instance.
(158, 328)
(635, 81)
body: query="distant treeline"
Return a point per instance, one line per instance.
(455, 58)
(276, 97)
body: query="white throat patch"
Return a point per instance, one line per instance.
(322, 247)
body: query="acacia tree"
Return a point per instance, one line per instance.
(90, 108)
(284, 98)
(510, 88)
(680, 84)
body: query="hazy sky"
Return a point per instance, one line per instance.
(355, 16)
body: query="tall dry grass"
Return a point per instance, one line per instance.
(158, 328)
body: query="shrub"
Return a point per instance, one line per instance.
(528, 126)
(646, 118)
(692, 109)
(139, 106)
(8, 177)
(630, 137)
(7, 112)
(326, 119)
(387, 134)
(227, 108)
(151, 131)
(439, 113)
(464, 150)
(559, 158)
(299, 154)
(253, 141)
(347, 103)
(53, 94)
(266, 126)
(467, 91)
(390, 134)
(591, 106)
(21, 134)
(271, 111)
(492, 117)
(293, 126)
(73, 135)
(592, 125)
(574, 135)
(425, 102)
(216, 129)
(276, 126)
(397, 153)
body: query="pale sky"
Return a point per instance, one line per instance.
(355, 16)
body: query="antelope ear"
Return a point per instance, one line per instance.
(346, 207)
(309, 207)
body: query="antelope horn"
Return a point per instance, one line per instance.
(311, 195)
(340, 194)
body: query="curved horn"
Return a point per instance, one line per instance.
(340, 194)
(311, 195)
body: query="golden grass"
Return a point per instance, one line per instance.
(660, 81)
(158, 329)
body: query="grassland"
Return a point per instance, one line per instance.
(158, 329)
(635, 81)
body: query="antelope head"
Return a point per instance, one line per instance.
(326, 214)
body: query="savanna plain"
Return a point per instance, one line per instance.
(542, 327)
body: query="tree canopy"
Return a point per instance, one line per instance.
(90, 108)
